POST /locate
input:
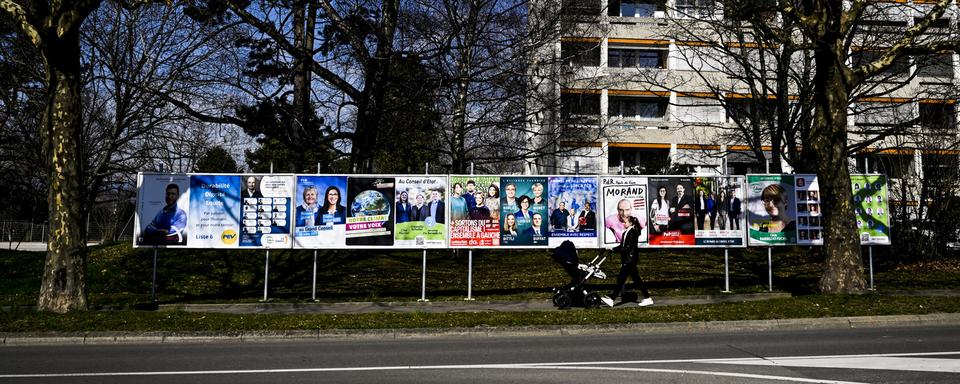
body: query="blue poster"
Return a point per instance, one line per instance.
(573, 202)
(214, 211)
(320, 216)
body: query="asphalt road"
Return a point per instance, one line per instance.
(877, 355)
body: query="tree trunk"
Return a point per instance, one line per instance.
(843, 269)
(63, 287)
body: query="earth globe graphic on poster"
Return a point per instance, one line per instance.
(370, 203)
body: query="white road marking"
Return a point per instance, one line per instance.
(427, 367)
(594, 365)
(885, 363)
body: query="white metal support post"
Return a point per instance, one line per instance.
(266, 263)
(423, 280)
(313, 292)
(726, 250)
(470, 263)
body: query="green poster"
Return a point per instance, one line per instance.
(871, 209)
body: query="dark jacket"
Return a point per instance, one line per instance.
(628, 248)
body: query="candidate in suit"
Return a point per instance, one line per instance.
(418, 212)
(435, 208)
(681, 211)
(252, 188)
(536, 226)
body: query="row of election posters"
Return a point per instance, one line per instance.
(345, 211)
(786, 209)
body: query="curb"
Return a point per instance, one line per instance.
(108, 338)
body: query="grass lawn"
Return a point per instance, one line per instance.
(119, 276)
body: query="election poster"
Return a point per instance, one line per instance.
(622, 197)
(523, 211)
(672, 211)
(771, 209)
(717, 207)
(420, 211)
(475, 211)
(809, 211)
(320, 218)
(216, 212)
(270, 201)
(871, 209)
(163, 202)
(572, 217)
(370, 211)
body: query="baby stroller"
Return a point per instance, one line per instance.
(576, 291)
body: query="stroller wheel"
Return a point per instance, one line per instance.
(562, 300)
(592, 300)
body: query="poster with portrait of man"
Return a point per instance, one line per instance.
(718, 207)
(320, 218)
(271, 202)
(621, 198)
(772, 209)
(809, 211)
(163, 205)
(672, 211)
(420, 211)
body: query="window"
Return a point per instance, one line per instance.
(935, 65)
(638, 108)
(894, 166)
(636, 58)
(574, 104)
(695, 7)
(580, 54)
(943, 22)
(900, 66)
(742, 110)
(580, 8)
(640, 161)
(938, 118)
(635, 8)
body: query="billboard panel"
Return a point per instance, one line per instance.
(163, 204)
(420, 211)
(871, 208)
(771, 209)
(320, 218)
(622, 197)
(475, 211)
(523, 211)
(572, 217)
(370, 211)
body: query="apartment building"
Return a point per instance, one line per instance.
(647, 75)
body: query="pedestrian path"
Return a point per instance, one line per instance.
(445, 306)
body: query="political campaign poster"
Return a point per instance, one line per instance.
(216, 211)
(622, 197)
(420, 211)
(320, 218)
(266, 202)
(572, 214)
(714, 199)
(475, 211)
(370, 211)
(523, 211)
(809, 211)
(771, 209)
(163, 202)
(871, 208)
(672, 211)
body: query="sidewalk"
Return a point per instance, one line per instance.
(444, 306)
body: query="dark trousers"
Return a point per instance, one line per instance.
(734, 221)
(629, 269)
(576, 275)
(700, 219)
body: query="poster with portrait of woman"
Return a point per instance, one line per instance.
(370, 210)
(718, 203)
(771, 209)
(320, 217)
(474, 209)
(523, 211)
(420, 211)
(621, 198)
